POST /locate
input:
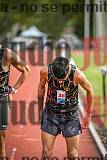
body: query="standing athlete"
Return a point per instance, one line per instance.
(60, 113)
(7, 57)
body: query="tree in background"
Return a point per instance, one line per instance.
(46, 16)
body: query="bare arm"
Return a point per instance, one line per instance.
(80, 78)
(20, 65)
(41, 89)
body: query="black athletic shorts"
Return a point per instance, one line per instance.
(4, 105)
(66, 123)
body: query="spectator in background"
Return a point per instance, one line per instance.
(63, 49)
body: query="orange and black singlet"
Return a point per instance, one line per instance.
(62, 94)
(4, 76)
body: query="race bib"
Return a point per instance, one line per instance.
(60, 97)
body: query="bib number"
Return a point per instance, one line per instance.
(61, 97)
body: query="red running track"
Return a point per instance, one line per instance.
(24, 140)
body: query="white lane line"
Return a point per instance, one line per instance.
(21, 126)
(93, 131)
(18, 135)
(91, 126)
(32, 139)
(13, 153)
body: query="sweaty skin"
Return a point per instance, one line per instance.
(79, 78)
(41, 89)
(11, 58)
(48, 140)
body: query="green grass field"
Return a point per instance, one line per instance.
(94, 75)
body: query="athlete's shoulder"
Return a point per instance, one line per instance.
(44, 71)
(79, 75)
(7, 54)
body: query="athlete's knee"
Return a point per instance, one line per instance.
(72, 153)
(48, 151)
(2, 136)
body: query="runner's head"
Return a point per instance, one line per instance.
(60, 67)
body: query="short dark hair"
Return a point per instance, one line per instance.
(60, 67)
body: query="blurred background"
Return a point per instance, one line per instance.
(43, 30)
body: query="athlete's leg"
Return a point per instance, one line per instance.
(2, 143)
(72, 144)
(3, 124)
(47, 144)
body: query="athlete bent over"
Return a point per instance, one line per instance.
(60, 113)
(7, 57)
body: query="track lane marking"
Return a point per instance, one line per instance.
(14, 149)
